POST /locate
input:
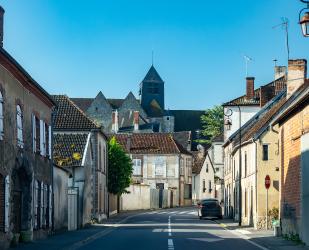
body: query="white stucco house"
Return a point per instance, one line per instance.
(203, 175)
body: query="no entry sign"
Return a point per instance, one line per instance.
(267, 182)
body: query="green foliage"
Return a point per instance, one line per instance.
(274, 213)
(213, 121)
(119, 168)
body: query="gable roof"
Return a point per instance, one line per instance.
(183, 138)
(70, 117)
(10, 64)
(66, 146)
(152, 76)
(198, 161)
(149, 143)
(277, 85)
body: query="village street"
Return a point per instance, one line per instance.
(162, 229)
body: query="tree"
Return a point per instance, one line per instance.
(212, 121)
(119, 169)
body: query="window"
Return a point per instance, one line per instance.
(37, 134)
(160, 166)
(245, 164)
(209, 186)
(204, 186)
(188, 191)
(19, 125)
(206, 167)
(1, 116)
(265, 152)
(46, 130)
(137, 167)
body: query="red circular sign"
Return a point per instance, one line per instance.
(267, 182)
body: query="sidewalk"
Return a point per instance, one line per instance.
(264, 238)
(73, 239)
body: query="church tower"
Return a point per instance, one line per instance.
(152, 94)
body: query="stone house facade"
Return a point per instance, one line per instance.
(81, 147)
(160, 162)
(293, 123)
(25, 153)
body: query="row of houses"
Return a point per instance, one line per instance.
(54, 154)
(266, 134)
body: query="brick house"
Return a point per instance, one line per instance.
(159, 162)
(25, 153)
(293, 124)
(81, 148)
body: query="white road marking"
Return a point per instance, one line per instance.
(170, 244)
(169, 227)
(206, 239)
(243, 231)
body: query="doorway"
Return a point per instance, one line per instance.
(160, 186)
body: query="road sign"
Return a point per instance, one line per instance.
(267, 182)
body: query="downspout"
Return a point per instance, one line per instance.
(256, 172)
(52, 166)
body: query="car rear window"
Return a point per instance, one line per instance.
(210, 204)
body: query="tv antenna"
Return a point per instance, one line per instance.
(247, 60)
(285, 25)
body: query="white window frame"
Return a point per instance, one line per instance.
(19, 126)
(7, 204)
(137, 167)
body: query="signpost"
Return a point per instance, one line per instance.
(267, 186)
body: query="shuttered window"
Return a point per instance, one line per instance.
(1, 116)
(19, 125)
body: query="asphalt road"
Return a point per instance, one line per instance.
(171, 229)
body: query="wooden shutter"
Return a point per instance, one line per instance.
(33, 134)
(41, 137)
(35, 203)
(49, 142)
(7, 204)
(41, 204)
(50, 206)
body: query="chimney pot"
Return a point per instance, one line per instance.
(115, 121)
(250, 87)
(136, 120)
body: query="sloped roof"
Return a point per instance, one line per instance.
(83, 103)
(70, 117)
(198, 161)
(278, 85)
(69, 149)
(183, 138)
(149, 143)
(152, 76)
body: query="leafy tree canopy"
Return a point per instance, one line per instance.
(212, 121)
(119, 168)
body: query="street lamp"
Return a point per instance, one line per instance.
(228, 124)
(304, 20)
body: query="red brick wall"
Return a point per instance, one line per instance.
(290, 163)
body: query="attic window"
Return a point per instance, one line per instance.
(207, 168)
(168, 118)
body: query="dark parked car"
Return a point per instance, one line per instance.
(209, 208)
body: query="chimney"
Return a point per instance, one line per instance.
(266, 94)
(297, 73)
(136, 120)
(250, 88)
(280, 71)
(1, 25)
(115, 121)
(128, 144)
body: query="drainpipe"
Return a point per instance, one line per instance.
(256, 172)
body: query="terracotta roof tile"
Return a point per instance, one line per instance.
(69, 149)
(70, 117)
(149, 143)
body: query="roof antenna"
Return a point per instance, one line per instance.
(152, 58)
(247, 60)
(285, 25)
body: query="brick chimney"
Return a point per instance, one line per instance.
(1, 25)
(115, 125)
(266, 94)
(250, 88)
(280, 71)
(297, 73)
(136, 120)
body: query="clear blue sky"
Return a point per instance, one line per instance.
(79, 47)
